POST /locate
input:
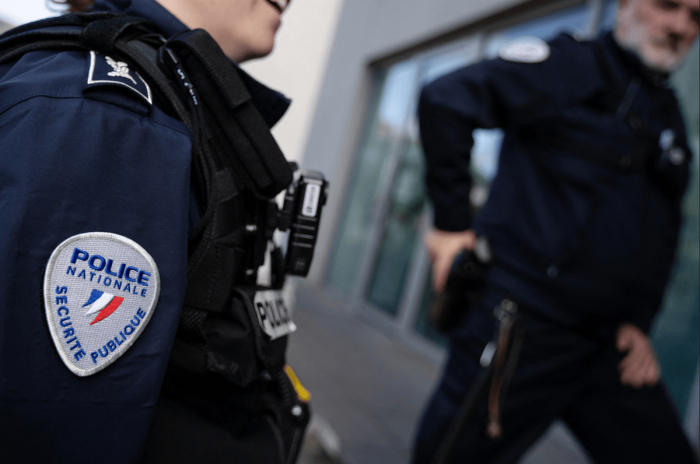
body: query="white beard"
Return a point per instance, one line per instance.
(637, 40)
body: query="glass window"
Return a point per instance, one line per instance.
(439, 64)
(394, 94)
(406, 197)
(406, 202)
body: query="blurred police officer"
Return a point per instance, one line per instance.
(582, 220)
(97, 200)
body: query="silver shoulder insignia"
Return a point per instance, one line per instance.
(525, 50)
(121, 69)
(106, 71)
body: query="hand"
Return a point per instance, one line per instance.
(640, 366)
(443, 247)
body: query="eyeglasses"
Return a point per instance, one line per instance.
(280, 4)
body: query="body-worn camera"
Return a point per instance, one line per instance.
(301, 215)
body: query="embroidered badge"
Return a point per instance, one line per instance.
(104, 70)
(100, 290)
(121, 69)
(525, 50)
(274, 317)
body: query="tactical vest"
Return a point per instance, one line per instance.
(237, 170)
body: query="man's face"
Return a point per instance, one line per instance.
(660, 32)
(244, 29)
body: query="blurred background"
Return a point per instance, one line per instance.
(364, 347)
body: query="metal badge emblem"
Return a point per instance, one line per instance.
(273, 315)
(525, 50)
(100, 291)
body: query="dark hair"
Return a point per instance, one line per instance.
(75, 6)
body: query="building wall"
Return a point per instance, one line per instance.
(297, 65)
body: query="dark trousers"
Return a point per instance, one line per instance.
(561, 373)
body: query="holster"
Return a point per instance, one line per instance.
(230, 343)
(464, 289)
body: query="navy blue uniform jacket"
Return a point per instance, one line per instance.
(78, 158)
(584, 213)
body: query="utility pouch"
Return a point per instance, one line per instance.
(464, 288)
(243, 343)
(283, 400)
(271, 321)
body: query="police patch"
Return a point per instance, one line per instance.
(104, 70)
(273, 315)
(525, 50)
(100, 290)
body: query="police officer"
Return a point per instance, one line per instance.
(582, 220)
(99, 191)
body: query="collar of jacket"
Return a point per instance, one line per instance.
(629, 64)
(270, 103)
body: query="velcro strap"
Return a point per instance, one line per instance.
(103, 34)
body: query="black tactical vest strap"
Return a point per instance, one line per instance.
(259, 163)
(236, 149)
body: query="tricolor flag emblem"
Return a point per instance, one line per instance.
(105, 303)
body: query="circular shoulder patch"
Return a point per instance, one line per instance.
(525, 50)
(100, 290)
